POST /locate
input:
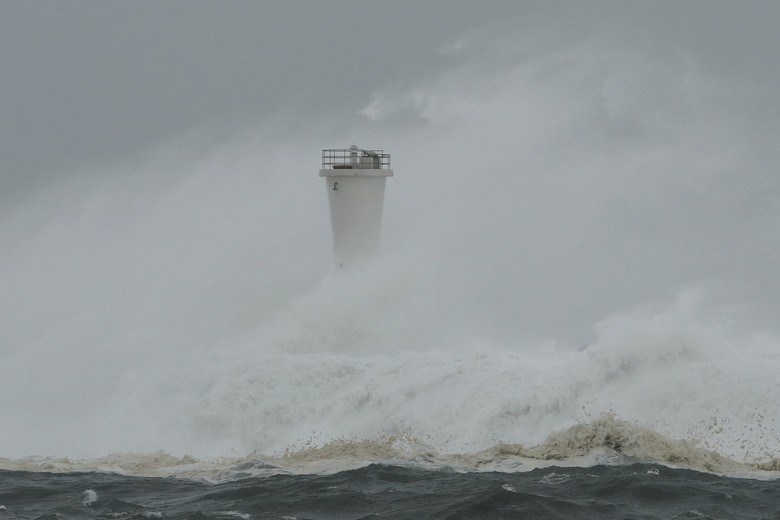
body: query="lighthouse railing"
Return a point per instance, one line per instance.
(338, 158)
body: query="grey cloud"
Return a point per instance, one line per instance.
(89, 82)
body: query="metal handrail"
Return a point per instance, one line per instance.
(347, 158)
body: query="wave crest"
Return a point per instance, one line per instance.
(607, 440)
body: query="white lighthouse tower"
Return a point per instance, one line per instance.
(355, 179)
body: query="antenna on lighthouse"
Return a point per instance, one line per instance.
(355, 180)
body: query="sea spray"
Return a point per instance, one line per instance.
(604, 441)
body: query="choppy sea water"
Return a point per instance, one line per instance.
(639, 491)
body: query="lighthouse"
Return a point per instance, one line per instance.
(355, 181)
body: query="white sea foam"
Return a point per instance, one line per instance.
(88, 497)
(236, 514)
(315, 391)
(668, 385)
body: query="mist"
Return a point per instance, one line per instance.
(553, 183)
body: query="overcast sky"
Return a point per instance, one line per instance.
(563, 160)
(89, 82)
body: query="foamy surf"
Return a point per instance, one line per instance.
(665, 387)
(604, 441)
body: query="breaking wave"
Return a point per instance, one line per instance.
(339, 380)
(669, 386)
(604, 441)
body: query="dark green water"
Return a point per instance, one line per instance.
(637, 491)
